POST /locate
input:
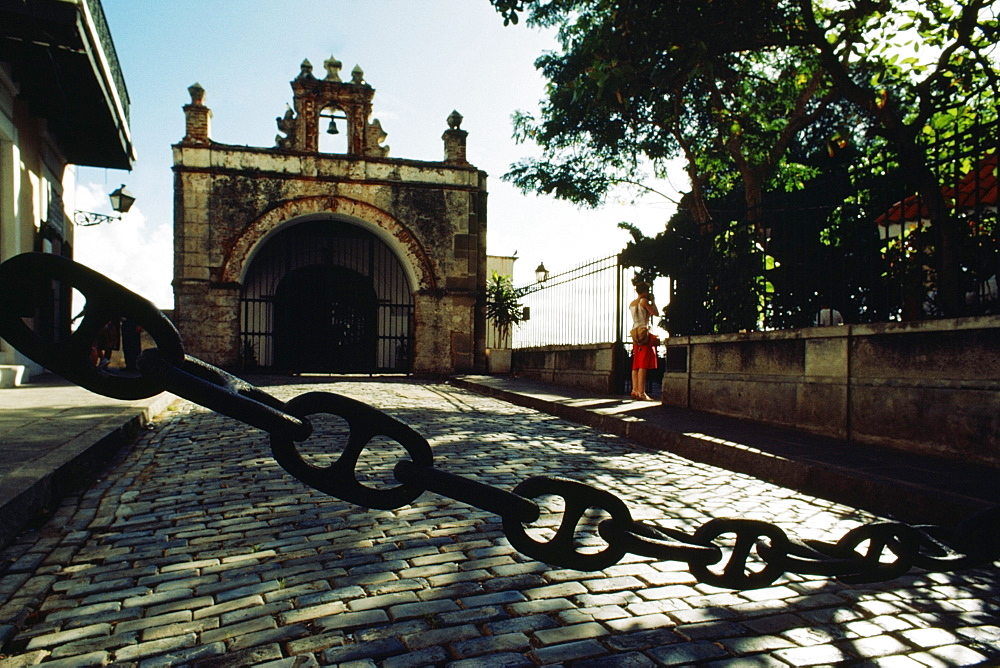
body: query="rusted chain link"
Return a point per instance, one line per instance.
(757, 554)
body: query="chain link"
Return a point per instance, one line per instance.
(27, 286)
(223, 393)
(756, 556)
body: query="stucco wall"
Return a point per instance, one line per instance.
(930, 387)
(37, 193)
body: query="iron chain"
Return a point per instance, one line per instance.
(874, 552)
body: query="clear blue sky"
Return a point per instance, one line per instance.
(423, 57)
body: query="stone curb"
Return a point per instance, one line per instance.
(882, 496)
(37, 488)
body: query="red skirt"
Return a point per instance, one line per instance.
(643, 357)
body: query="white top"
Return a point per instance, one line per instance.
(640, 318)
(828, 317)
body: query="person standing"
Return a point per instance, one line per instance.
(108, 340)
(827, 316)
(131, 342)
(643, 348)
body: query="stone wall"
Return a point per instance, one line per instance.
(931, 387)
(588, 367)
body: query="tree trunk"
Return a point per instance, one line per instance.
(944, 226)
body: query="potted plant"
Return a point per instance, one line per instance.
(504, 310)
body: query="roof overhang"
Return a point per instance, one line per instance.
(66, 70)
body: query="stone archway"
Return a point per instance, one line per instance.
(401, 240)
(326, 295)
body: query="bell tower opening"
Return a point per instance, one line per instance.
(333, 130)
(331, 108)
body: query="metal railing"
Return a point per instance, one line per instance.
(108, 45)
(579, 306)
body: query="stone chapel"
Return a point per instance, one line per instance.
(293, 260)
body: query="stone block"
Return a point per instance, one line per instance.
(11, 375)
(192, 156)
(827, 356)
(499, 360)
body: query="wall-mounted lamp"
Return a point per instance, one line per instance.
(121, 201)
(541, 273)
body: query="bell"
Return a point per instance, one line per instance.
(332, 130)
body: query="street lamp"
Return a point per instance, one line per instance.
(121, 201)
(541, 273)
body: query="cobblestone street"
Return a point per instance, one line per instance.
(197, 548)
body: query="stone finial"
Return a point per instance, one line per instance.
(197, 94)
(332, 66)
(197, 118)
(357, 75)
(305, 71)
(376, 132)
(287, 125)
(454, 140)
(374, 136)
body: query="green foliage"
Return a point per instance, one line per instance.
(637, 84)
(755, 95)
(718, 282)
(503, 306)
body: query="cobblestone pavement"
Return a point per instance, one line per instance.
(199, 549)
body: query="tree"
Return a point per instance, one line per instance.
(904, 93)
(503, 307)
(732, 84)
(636, 86)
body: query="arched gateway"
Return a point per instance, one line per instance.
(288, 259)
(326, 296)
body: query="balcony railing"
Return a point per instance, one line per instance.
(96, 11)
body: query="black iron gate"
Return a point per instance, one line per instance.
(326, 296)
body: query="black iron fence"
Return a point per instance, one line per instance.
(865, 244)
(586, 305)
(579, 306)
(326, 297)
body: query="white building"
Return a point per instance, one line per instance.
(63, 102)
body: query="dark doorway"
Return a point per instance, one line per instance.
(325, 321)
(329, 297)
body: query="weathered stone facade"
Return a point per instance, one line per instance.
(230, 201)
